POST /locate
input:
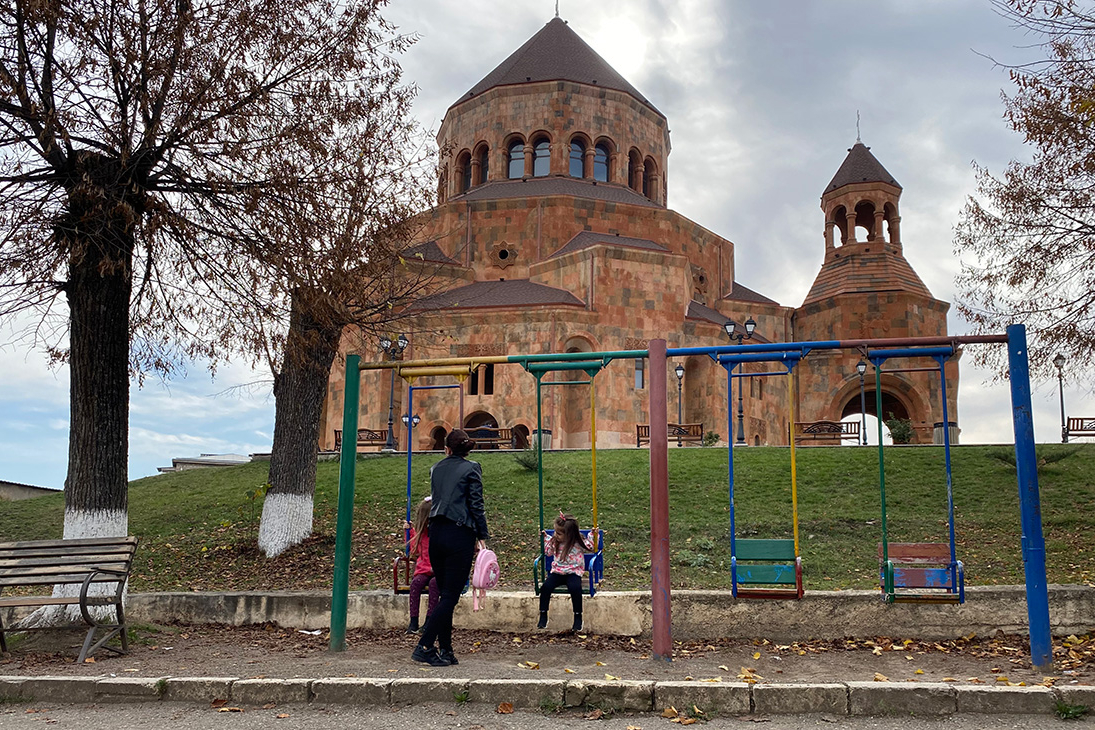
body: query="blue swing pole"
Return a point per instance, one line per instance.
(1030, 510)
(730, 472)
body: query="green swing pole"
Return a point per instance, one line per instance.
(593, 446)
(887, 576)
(340, 589)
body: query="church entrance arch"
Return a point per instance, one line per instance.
(890, 404)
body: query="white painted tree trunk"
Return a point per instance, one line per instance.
(82, 524)
(286, 521)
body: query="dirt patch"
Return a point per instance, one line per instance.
(270, 651)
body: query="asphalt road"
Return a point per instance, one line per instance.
(434, 717)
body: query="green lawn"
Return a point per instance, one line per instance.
(197, 531)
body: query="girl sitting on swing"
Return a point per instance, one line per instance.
(567, 549)
(419, 548)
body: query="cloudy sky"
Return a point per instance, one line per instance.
(761, 100)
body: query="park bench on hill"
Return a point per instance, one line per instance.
(827, 431)
(45, 563)
(365, 437)
(684, 432)
(1081, 427)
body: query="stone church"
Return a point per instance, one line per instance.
(553, 233)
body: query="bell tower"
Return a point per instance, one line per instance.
(861, 204)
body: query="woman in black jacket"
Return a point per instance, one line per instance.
(458, 524)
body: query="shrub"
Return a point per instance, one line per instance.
(901, 429)
(710, 438)
(526, 459)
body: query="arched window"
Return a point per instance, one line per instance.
(463, 165)
(541, 158)
(516, 159)
(601, 156)
(483, 156)
(650, 173)
(577, 158)
(634, 174)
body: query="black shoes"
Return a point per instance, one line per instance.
(542, 624)
(448, 655)
(429, 656)
(412, 628)
(577, 627)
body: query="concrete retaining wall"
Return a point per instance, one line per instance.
(697, 615)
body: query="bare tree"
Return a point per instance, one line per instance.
(1029, 235)
(332, 261)
(138, 139)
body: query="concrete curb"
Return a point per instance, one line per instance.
(729, 698)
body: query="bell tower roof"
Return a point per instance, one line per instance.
(555, 53)
(860, 166)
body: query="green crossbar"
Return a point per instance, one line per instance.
(754, 549)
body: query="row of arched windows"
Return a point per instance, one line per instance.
(586, 159)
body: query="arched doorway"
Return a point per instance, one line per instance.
(480, 420)
(520, 436)
(437, 438)
(891, 404)
(575, 400)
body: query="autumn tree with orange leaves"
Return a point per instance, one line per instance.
(1028, 236)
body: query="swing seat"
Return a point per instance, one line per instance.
(921, 572)
(404, 585)
(595, 565)
(770, 564)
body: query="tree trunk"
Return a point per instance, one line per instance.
(97, 231)
(299, 390)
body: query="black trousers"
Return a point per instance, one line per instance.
(573, 583)
(451, 550)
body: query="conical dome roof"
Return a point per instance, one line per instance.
(555, 53)
(860, 166)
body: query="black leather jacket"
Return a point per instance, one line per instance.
(456, 484)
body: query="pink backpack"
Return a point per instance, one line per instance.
(484, 576)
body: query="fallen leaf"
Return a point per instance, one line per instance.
(89, 660)
(919, 671)
(451, 713)
(568, 671)
(505, 708)
(634, 727)
(948, 679)
(595, 715)
(218, 703)
(688, 721)
(230, 709)
(689, 678)
(516, 639)
(712, 679)
(725, 668)
(601, 664)
(269, 706)
(877, 651)
(880, 677)
(532, 665)
(1001, 678)
(610, 678)
(282, 715)
(670, 712)
(697, 711)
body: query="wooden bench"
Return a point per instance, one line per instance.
(365, 437)
(829, 431)
(492, 438)
(70, 562)
(771, 563)
(1080, 427)
(923, 567)
(686, 432)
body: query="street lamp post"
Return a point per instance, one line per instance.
(730, 328)
(1059, 361)
(392, 350)
(861, 368)
(679, 370)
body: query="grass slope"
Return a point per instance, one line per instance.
(197, 528)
